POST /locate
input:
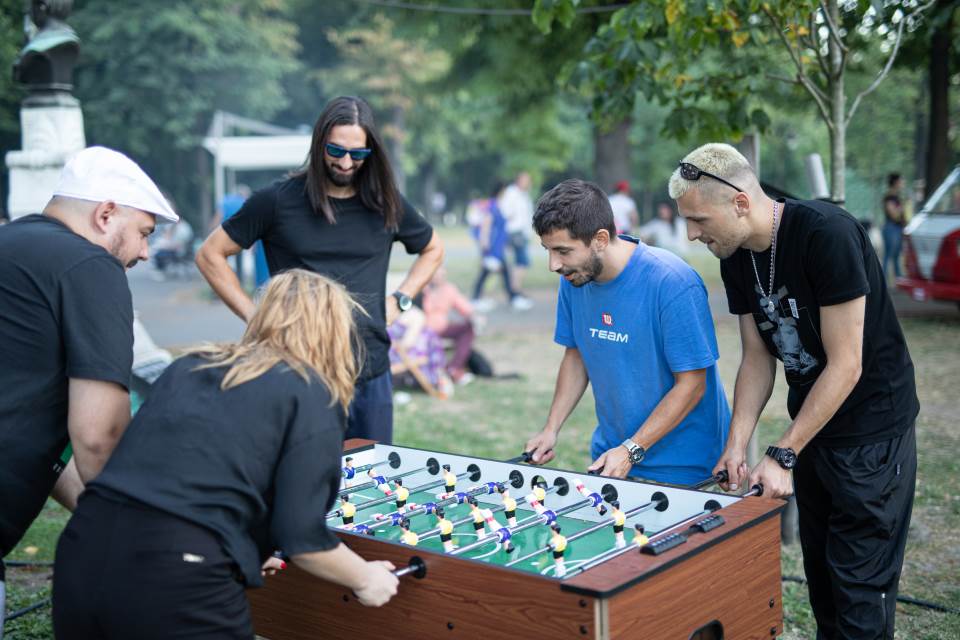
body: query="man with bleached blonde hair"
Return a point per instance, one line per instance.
(809, 290)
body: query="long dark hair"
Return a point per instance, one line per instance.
(376, 185)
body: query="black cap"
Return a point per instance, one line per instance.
(446, 467)
(439, 512)
(344, 496)
(639, 528)
(615, 504)
(398, 482)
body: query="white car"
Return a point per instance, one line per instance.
(931, 246)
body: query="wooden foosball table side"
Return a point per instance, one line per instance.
(724, 587)
(456, 599)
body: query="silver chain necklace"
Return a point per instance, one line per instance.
(773, 258)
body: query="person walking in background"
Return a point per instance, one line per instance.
(338, 216)
(517, 208)
(493, 239)
(894, 221)
(624, 208)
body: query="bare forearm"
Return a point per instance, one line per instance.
(423, 267)
(572, 381)
(828, 393)
(754, 385)
(225, 283)
(671, 410)
(339, 565)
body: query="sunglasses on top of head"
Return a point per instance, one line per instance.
(336, 151)
(692, 172)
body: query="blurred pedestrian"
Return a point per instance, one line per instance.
(624, 208)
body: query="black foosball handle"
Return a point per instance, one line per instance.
(526, 456)
(417, 568)
(721, 476)
(755, 490)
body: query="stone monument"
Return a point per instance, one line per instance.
(51, 122)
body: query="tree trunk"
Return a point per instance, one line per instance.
(838, 114)
(611, 155)
(920, 129)
(938, 147)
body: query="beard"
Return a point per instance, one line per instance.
(585, 273)
(340, 179)
(116, 250)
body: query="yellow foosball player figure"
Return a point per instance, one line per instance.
(446, 530)
(348, 509)
(619, 519)
(381, 482)
(559, 544)
(477, 516)
(639, 537)
(509, 505)
(408, 537)
(402, 493)
(540, 494)
(449, 479)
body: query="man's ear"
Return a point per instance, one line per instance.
(104, 215)
(601, 240)
(741, 202)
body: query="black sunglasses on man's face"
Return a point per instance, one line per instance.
(693, 172)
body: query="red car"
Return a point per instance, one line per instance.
(931, 246)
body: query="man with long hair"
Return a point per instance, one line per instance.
(806, 284)
(339, 216)
(236, 453)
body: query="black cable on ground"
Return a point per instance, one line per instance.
(904, 599)
(33, 607)
(26, 563)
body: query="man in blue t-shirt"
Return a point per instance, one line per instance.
(636, 325)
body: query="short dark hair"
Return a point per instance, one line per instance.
(580, 207)
(375, 182)
(892, 179)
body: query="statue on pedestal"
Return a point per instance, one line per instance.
(46, 62)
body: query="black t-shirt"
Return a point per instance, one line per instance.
(355, 251)
(824, 257)
(257, 464)
(894, 200)
(65, 312)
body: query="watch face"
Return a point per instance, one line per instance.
(636, 456)
(789, 458)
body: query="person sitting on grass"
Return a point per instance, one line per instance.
(235, 453)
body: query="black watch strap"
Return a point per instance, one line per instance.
(785, 457)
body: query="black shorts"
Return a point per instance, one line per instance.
(125, 570)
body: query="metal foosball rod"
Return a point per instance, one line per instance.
(459, 498)
(629, 513)
(373, 483)
(424, 487)
(426, 535)
(756, 490)
(542, 517)
(721, 476)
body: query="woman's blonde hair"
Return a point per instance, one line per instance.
(303, 320)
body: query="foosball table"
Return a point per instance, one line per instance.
(501, 549)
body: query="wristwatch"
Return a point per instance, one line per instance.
(403, 300)
(786, 458)
(637, 452)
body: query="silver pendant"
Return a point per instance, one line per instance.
(769, 306)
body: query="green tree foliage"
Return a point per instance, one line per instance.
(152, 74)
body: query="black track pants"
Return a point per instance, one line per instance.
(854, 505)
(128, 571)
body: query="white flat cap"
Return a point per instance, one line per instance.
(98, 174)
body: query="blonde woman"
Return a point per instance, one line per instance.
(235, 453)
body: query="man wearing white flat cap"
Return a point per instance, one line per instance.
(66, 332)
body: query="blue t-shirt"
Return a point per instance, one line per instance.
(634, 333)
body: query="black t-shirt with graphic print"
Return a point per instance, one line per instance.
(355, 251)
(824, 257)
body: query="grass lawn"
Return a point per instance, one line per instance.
(493, 418)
